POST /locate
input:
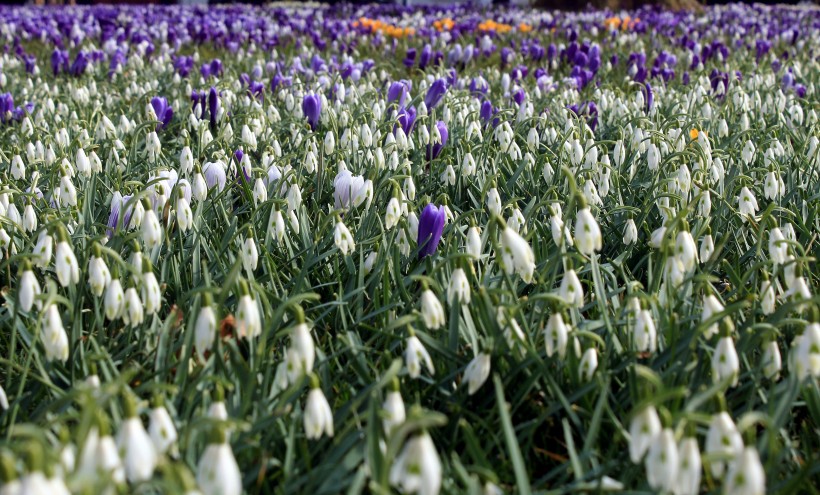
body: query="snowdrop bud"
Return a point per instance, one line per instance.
(394, 412)
(494, 201)
(662, 462)
(416, 356)
(250, 255)
(725, 362)
(161, 429)
(707, 248)
(217, 472)
(771, 360)
(689, 468)
(746, 475)
(318, 417)
(277, 225)
(588, 364)
(458, 290)
(474, 244)
(477, 372)
(28, 290)
(330, 143)
(151, 296)
(114, 300)
(618, 153)
(630, 232)
(199, 188)
(151, 229)
(643, 428)
(417, 469)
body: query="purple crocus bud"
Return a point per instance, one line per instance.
(312, 109)
(614, 59)
(650, 97)
(216, 67)
(410, 58)
(397, 92)
(685, 78)
(486, 112)
(435, 94)
(56, 61)
(163, 111)
(238, 154)
(519, 96)
(506, 53)
(424, 59)
(436, 148)
(213, 105)
(431, 225)
(79, 65)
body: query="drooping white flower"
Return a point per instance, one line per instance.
(474, 244)
(725, 362)
(161, 429)
(343, 238)
(643, 428)
(318, 417)
(458, 290)
(248, 323)
(746, 475)
(65, 264)
(747, 203)
(662, 461)
(29, 289)
(687, 481)
(588, 236)
(417, 469)
(588, 364)
(133, 310)
(722, 439)
(218, 472)
(416, 356)
(571, 290)
(630, 232)
(204, 328)
(139, 456)
(477, 372)
(114, 300)
(805, 352)
(250, 255)
(394, 412)
(494, 201)
(517, 255)
(53, 335)
(646, 339)
(778, 246)
(302, 352)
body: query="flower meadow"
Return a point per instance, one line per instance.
(374, 249)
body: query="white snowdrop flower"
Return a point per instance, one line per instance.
(151, 230)
(705, 204)
(684, 180)
(410, 188)
(318, 417)
(556, 336)
(205, 328)
(186, 161)
(746, 475)
(98, 275)
(517, 255)
(153, 147)
(403, 242)
(547, 173)
(301, 354)
(588, 364)
(417, 469)
(28, 290)
(653, 157)
(294, 221)
(330, 143)
(416, 356)
(674, 271)
(778, 246)
(67, 191)
(772, 186)
(184, 215)
(4, 405)
(630, 232)
(747, 204)
(707, 248)
(370, 261)
(294, 197)
(29, 219)
(571, 290)
(53, 334)
(217, 471)
(393, 213)
(748, 152)
(477, 372)
(431, 310)
(711, 306)
(65, 264)
(161, 429)
(725, 362)
(394, 411)
(151, 296)
(199, 188)
(646, 339)
(687, 481)
(474, 244)
(248, 323)
(343, 238)
(723, 128)
(771, 360)
(458, 290)
(662, 462)
(277, 225)
(114, 300)
(494, 201)
(517, 222)
(449, 176)
(260, 192)
(686, 249)
(657, 236)
(248, 138)
(618, 153)
(468, 165)
(250, 255)
(18, 169)
(137, 449)
(805, 353)
(133, 310)
(768, 298)
(643, 429)
(588, 236)
(5, 242)
(83, 164)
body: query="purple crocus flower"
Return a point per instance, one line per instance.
(163, 111)
(79, 65)
(312, 109)
(406, 119)
(397, 92)
(424, 59)
(486, 112)
(436, 148)
(431, 225)
(410, 58)
(435, 94)
(650, 97)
